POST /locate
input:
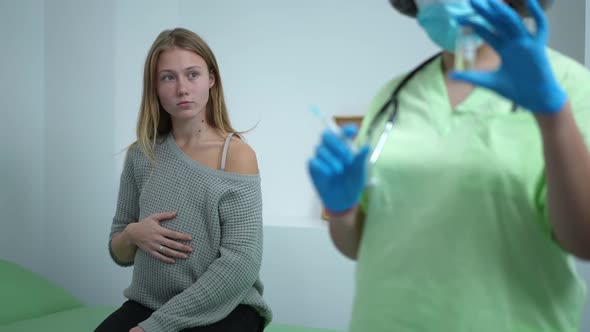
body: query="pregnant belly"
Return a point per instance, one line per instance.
(160, 280)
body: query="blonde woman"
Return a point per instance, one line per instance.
(189, 212)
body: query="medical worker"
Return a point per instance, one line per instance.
(469, 194)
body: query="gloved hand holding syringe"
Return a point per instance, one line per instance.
(338, 169)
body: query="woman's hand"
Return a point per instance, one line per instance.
(137, 329)
(159, 241)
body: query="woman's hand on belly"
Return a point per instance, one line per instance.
(158, 241)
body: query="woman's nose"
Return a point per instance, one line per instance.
(181, 87)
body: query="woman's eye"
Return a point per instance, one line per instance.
(167, 78)
(193, 75)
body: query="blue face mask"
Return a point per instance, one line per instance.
(438, 19)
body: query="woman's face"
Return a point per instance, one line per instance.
(183, 83)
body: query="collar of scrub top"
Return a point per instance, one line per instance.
(393, 101)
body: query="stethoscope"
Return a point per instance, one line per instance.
(394, 102)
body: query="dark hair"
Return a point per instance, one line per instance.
(409, 8)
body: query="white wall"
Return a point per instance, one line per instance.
(79, 68)
(21, 131)
(307, 282)
(567, 28)
(79, 167)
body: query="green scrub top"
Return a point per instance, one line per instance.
(456, 236)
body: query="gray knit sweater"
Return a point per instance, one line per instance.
(221, 211)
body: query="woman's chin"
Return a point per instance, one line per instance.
(184, 114)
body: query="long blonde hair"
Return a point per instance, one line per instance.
(154, 122)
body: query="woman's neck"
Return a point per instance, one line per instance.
(194, 130)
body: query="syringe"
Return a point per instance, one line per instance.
(333, 126)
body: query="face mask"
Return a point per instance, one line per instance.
(437, 18)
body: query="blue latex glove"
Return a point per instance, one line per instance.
(525, 75)
(338, 175)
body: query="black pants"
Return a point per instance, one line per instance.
(243, 319)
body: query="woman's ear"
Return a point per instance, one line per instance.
(211, 78)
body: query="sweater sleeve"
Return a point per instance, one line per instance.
(127, 203)
(230, 277)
